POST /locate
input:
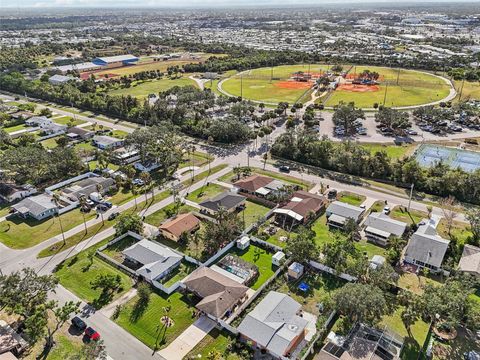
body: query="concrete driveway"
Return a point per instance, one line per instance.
(187, 340)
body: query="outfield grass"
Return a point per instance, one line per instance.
(415, 88)
(78, 272)
(19, 233)
(259, 257)
(143, 88)
(144, 322)
(205, 192)
(351, 198)
(261, 85)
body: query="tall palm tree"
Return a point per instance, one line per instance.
(83, 204)
(147, 179)
(100, 190)
(56, 200)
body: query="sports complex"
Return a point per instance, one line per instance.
(428, 155)
(298, 83)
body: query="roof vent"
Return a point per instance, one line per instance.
(292, 327)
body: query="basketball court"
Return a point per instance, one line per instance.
(428, 155)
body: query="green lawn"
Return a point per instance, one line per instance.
(351, 198)
(324, 235)
(179, 273)
(50, 143)
(119, 134)
(370, 249)
(85, 145)
(199, 159)
(252, 212)
(67, 120)
(259, 257)
(415, 283)
(143, 88)
(321, 287)
(75, 239)
(215, 341)
(144, 323)
(92, 165)
(78, 272)
(400, 213)
(115, 251)
(12, 129)
(393, 151)
(205, 192)
(459, 232)
(414, 88)
(419, 332)
(19, 233)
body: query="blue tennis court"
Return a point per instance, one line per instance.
(427, 155)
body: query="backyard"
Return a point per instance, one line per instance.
(252, 213)
(144, 320)
(218, 341)
(77, 273)
(205, 192)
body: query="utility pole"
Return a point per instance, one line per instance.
(241, 86)
(385, 95)
(410, 198)
(398, 75)
(461, 89)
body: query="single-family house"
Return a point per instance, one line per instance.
(220, 294)
(182, 224)
(107, 142)
(259, 185)
(11, 192)
(22, 115)
(379, 228)
(426, 248)
(38, 121)
(60, 79)
(88, 186)
(302, 207)
(155, 260)
(39, 207)
(339, 212)
(78, 133)
(470, 260)
(275, 325)
(10, 340)
(123, 156)
(361, 343)
(226, 200)
(147, 166)
(53, 129)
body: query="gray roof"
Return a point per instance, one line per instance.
(154, 257)
(427, 246)
(60, 78)
(383, 222)
(345, 210)
(105, 140)
(87, 186)
(470, 261)
(227, 200)
(35, 205)
(274, 323)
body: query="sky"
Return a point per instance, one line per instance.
(183, 3)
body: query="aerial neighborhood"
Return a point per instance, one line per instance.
(235, 184)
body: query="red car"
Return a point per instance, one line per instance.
(92, 334)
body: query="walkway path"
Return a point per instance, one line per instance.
(187, 340)
(109, 310)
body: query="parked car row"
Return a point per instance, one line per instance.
(89, 332)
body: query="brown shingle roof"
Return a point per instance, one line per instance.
(218, 292)
(182, 223)
(309, 202)
(253, 182)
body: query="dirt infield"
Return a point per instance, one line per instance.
(358, 88)
(293, 84)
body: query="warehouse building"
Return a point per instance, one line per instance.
(110, 62)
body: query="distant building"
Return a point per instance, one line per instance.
(148, 166)
(115, 61)
(60, 79)
(38, 121)
(38, 207)
(82, 67)
(11, 192)
(76, 133)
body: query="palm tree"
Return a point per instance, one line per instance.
(56, 200)
(100, 190)
(83, 205)
(146, 178)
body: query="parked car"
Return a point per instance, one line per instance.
(411, 132)
(102, 208)
(284, 168)
(108, 204)
(92, 334)
(386, 210)
(138, 182)
(113, 215)
(79, 323)
(332, 194)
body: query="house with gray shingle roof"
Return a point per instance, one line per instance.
(339, 212)
(275, 325)
(39, 207)
(155, 260)
(426, 248)
(470, 260)
(380, 227)
(228, 200)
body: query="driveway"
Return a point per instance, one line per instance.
(187, 340)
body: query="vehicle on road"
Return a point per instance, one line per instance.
(92, 334)
(113, 216)
(79, 323)
(284, 168)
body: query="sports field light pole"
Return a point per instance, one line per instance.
(398, 75)
(241, 86)
(461, 88)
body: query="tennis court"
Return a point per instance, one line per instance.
(427, 155)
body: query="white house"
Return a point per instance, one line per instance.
(380, 227)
